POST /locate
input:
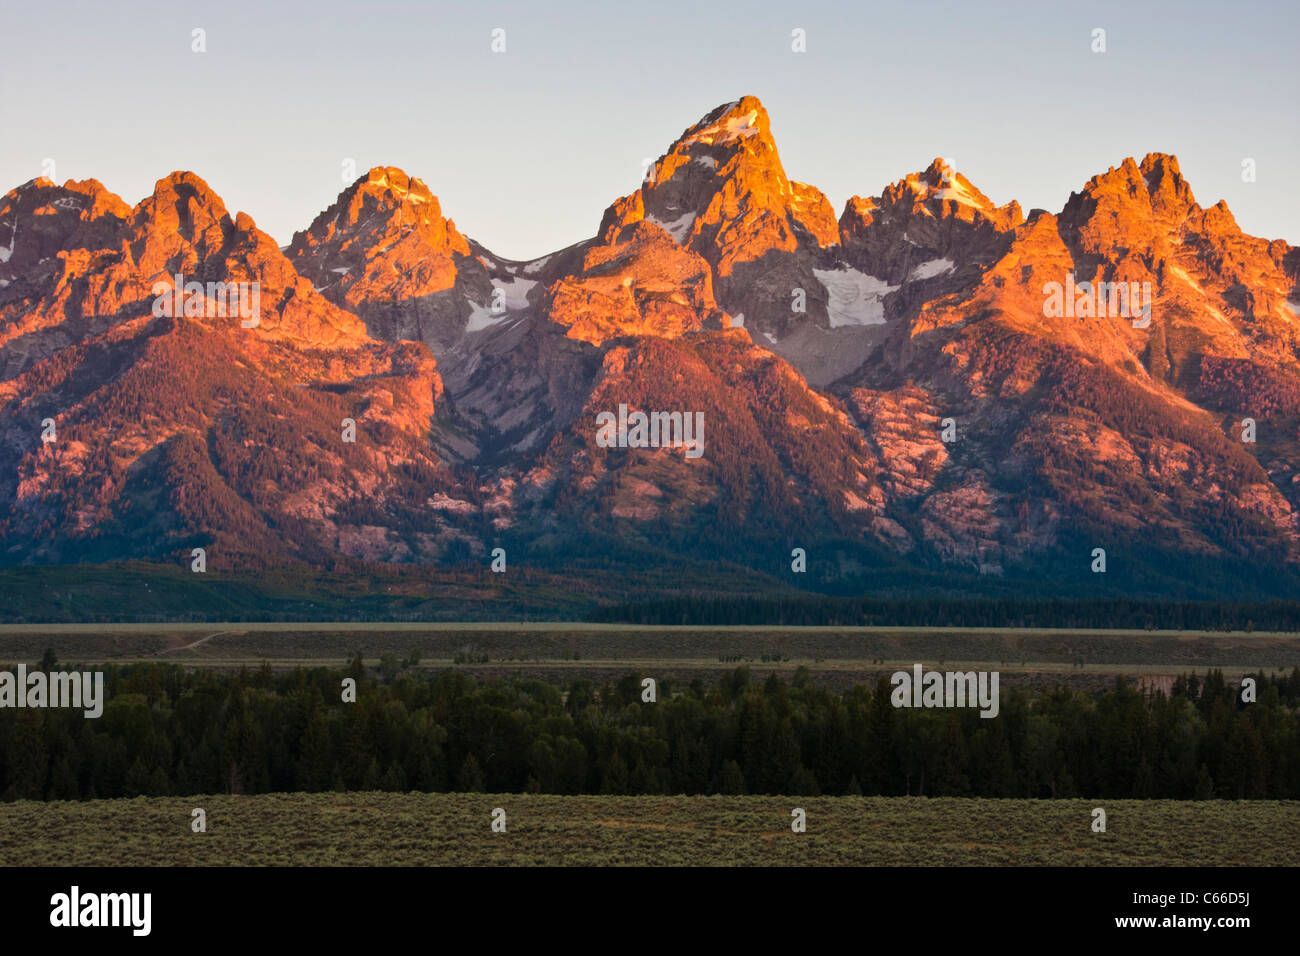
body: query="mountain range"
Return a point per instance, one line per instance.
(890, 390)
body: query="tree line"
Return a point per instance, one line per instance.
(1088, 613)
(169, 731)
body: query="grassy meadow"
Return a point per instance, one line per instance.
(438, 829)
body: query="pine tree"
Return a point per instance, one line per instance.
(394, 779)
(1204, 784)
(63, 782)
(803, 783)
(731, 781)
(27, 760)
(470, 778)
(642, 780)
(615, 778)
(137, 779)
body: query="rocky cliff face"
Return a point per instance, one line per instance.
(933, 379)
(139, 420)
(385, 252)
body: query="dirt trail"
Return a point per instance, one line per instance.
(200, 641)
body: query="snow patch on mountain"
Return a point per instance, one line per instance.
(677, 228)
(952, 188)
(733, 128)
(6, 252)
(516, 291)
(855, 297)
(481, 317)
(928, 270)
(516, 298)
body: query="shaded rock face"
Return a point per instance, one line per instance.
(932, 232)
(894, 385)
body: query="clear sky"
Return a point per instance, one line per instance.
(526, 148)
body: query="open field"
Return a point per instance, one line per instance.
(837, 656)
(454, 829)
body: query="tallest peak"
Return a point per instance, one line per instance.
(722, 171)
(746, 103)
(738, 120)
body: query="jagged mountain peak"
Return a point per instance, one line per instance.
(394, 178)
(379, 209)
(89, 196)
(383, 214)
(39, 219)
(938, 191)
(822, 358)
(720, 190)
(743, 122)
(184, 206)
(82, 200)
(932, 227)
(1164, 163)
(395, 186)
(1138, 212)
(187, 185)
(384, 251)
(1157, 182)
(941, 174)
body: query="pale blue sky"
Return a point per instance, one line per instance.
(526, 148)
